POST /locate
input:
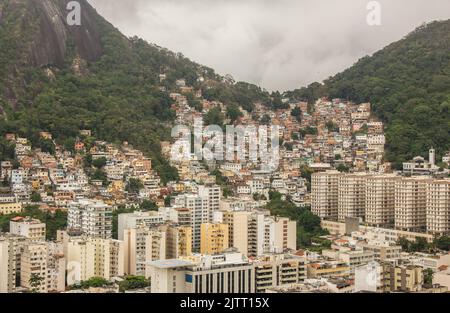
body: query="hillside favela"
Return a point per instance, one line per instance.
(128, 168)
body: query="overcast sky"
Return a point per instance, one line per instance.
(277, 44)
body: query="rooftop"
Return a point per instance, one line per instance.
(173, 263)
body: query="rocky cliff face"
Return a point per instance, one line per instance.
(53, 35)
(47, 35)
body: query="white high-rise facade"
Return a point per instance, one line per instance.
(324, 194)
(199, 207)
(92, 218)
(438, 207)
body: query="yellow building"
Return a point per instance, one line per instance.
(179, 241)
(214, 238)
(404, 278)
(10, 207)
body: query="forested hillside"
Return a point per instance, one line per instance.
(60, 78)
(408, 84)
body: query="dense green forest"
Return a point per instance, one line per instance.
(408, 84)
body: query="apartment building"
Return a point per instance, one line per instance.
(28, 227)
(238, 233)
(380, 199)
(278, 270)
(178, 242)
(137, 218)
(410, 203)
(199, 207)
(92, 218)
(214, 238)
(284, 234)
(89, 257)
(438, 207)
(10, 207)
(401, 278)
(324, 194)
(162, 242)
(353, 258)
(381, 251)
(213, 194)
(351, 196)
(257, 233)
(135, 245)
(33, 264)
(155, 245)
(327, 268)
(11, 247)
(38, 266)
(179, 216)
(225, 273)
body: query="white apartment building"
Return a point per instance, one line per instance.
(438, 207)
(380, 199)
(138, 218)
(199, 207)
(230, 272)
(225, 273)
(11, 247)
(142, 244)
(213, 194)
(410, 203)
(89, 257)
(176, 215)
(28, 227)
(382, 250)
(92, 218)
(353, 258)
(21, 259)
(324, 194)
(257, 233)
(351, 196)
(135, 250)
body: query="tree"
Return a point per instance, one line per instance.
(35, 281)
(443, 243)
(233, 112)
(297, 113)
(134, 185)
(420, 245)
(332, 127)
(100, 175)
(428, 275)
(148, 205)
(5, 182)
(265, 120)
(133, 282)
(343, 168)
(36, 197)
(47, 145)
(94, 282)
(214, 117)
(99, 163)
(404, 243)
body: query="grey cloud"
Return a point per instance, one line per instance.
(278, 44)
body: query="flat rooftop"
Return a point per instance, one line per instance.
(173, 263)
